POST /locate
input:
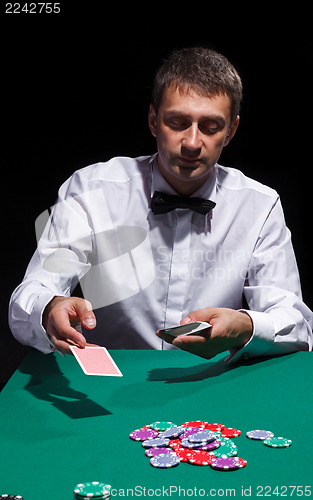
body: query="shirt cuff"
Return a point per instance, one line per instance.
(42, 342)
(263, 336)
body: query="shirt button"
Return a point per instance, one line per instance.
(245, 356)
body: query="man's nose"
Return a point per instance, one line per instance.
(192, 139)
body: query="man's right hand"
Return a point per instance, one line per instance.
(60, 318)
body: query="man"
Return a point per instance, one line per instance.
(147, 260)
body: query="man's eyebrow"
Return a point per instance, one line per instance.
(212, 117)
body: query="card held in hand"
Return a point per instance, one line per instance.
(96, 360)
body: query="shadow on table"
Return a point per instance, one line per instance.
(50, 384)
(205, 370)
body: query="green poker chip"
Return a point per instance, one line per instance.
(162, 426)
(95, 490)
(277, 442)
(103, 497)
(226, 449)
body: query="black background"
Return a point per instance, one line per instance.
(75, 90)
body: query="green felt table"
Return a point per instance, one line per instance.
(60, 427)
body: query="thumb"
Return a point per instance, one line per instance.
(85, 314)
(205, 314)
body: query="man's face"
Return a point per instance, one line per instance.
(191, 131)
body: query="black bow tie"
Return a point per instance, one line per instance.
(162, 203)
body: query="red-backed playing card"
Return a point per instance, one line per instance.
(96, 361)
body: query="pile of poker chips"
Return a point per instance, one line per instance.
(196, 442)
(94, 490)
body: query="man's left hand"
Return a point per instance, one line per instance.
(230, 329)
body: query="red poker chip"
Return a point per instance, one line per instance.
(215, 427)
(184, 454)
(230, 432)
(243, 462)
(175, 443)
(196, 423)
(200, 457)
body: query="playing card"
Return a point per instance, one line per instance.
(189, 329)
(96, 361)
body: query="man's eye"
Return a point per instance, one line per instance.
(205, 129)
(178, 125)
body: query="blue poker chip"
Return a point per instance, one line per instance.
(164, 461)
(156, 443)
(172, 432)
(185, 443)
(202, 437)
(259, 435)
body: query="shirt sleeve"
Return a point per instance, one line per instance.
(60, 260)
(282, 323)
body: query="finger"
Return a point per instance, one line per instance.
(165, 336)
(205, 314)
(85, 314)
(63, 346)
(70, 342)
(62, 330)
(189, 340)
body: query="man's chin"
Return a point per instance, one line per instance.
(189, 172)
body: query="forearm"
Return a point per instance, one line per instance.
(25, 317)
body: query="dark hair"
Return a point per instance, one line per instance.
(203, 70)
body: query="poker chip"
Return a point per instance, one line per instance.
(211, 446)
(259, 434)
(225, 463)
(94, 490)
(183, 453)
(243, 462)
(188, 431)
(227, 448)
(156, 443)
(196, 423)
(172, 432)
(215, 427)
(152, 452)
(200, 458)
(175, 443)
(230, 432)
(277, 442)
(204, 436)
(165, 460)
(143, 434)
(103, 497)
(185, 443)
(10, 497)
(162, 426)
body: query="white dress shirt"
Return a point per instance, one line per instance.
(144, 272)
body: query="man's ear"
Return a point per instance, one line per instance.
(152, 120)
(232, 130)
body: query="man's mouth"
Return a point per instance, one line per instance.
(188, 162)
